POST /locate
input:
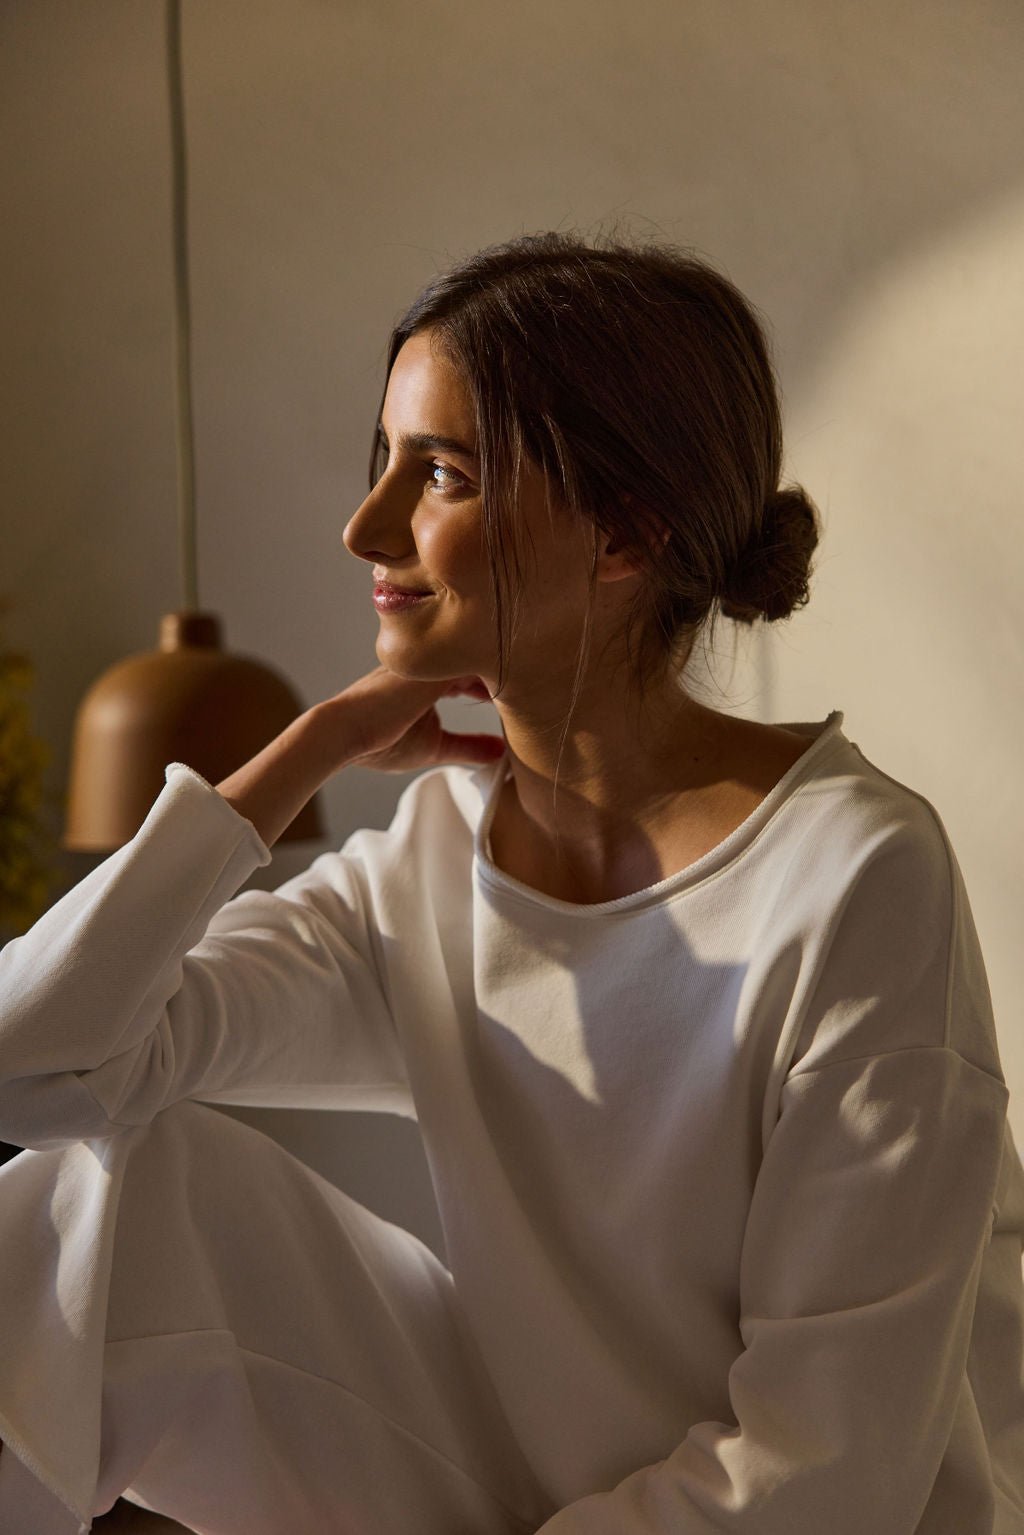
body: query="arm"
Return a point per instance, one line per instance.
(871, 1216)
(270, 790)
(151, 980)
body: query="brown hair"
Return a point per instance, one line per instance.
(639, 380)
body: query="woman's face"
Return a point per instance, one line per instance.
(422, 526)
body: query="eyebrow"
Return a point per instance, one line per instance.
(427, 442)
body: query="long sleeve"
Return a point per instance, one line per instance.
(152, 981)
(872, 1210)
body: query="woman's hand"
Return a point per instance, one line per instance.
(391, 723)
(382, 721)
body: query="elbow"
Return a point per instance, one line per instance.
(50, 1112)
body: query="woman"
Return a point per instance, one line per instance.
(690, 1009)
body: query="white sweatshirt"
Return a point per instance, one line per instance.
(726, 1181)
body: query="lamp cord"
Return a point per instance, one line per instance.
(182, 349)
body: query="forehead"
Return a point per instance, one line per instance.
(426, 392)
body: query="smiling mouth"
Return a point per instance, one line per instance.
(389, 599)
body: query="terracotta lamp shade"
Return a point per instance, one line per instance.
(186, 702)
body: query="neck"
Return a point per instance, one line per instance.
(620, 772)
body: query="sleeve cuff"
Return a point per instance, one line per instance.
(259, 847)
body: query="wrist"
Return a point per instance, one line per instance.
(274, 786)
(331, 736)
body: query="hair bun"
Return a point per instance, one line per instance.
(771, 578)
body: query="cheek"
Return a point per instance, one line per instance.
(453, 549)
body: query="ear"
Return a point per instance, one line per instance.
(617, 562)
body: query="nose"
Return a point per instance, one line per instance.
(378, 530)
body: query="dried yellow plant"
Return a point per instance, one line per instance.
(29, 869)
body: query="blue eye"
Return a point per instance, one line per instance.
(444, 470)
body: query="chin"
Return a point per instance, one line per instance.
(421, 663)
(405, 666)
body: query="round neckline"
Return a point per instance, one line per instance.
(823, 735)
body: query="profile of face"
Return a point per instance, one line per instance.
(422, 527)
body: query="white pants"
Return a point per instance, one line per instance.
(260, 1354)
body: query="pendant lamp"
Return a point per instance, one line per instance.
(187, 701)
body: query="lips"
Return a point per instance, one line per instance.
(404, 591)
(391, 599)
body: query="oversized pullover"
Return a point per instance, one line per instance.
(724, 1170)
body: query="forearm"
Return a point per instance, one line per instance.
(273, 787)
(86, 1042)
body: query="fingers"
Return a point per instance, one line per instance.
(477, 749)
(471, 685)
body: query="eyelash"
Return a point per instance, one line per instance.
(454, 473)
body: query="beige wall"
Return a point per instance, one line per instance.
(856, 169)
